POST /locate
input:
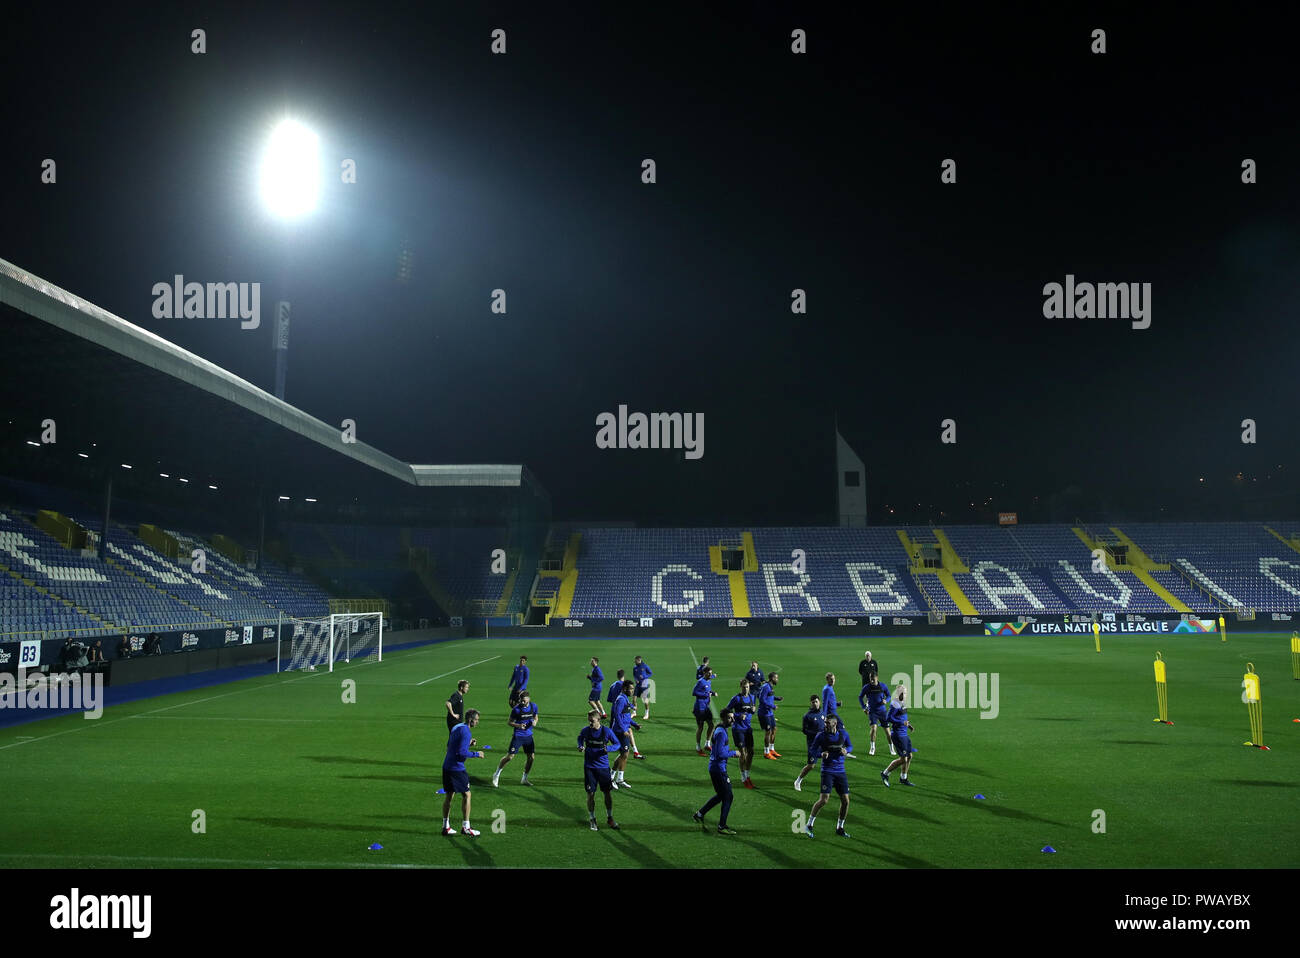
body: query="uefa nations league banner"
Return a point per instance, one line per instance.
(1082, 625)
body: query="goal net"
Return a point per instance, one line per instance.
(342, 637)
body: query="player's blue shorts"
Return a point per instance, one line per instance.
(837, 780)
(878, 716)
(521, 743)
(743, 737)
(455, 782)
(766, 720)
(702, 714)
(598, 777)
(902, 744)
(624, 744)
(595, 693)
(641, 690)
(814, 754)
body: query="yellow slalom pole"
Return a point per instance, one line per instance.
(1295, 656)
(1162, 692)
(1223, 629)
(1253, 698)
(1096, 634)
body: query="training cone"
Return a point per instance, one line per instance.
(1049, 849)
(441, 791)
(376, 847)
(980, 797)
(487, 748)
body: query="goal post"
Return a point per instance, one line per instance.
(339, 637)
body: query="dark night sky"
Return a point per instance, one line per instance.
(775, 172)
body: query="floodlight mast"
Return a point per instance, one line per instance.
(289, 184)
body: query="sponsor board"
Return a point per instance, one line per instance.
(1081, 626)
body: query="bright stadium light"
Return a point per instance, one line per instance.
(290, 174)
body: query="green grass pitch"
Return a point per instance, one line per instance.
(289, 775)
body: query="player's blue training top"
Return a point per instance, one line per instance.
(897, 716)
(836, 745)
(767, 699)
(813, 723)
(457, 748)
(829, 703)
(519, 678)
(597, 679)
(699, 671)
(876, 695)
(641, 673)
(703, 691)
(740, 705)
(620, 716)
(522, 714)
(594, 741)
(755, 677)
(615, 690)
(720, 751)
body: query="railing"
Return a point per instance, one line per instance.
(1215, 601)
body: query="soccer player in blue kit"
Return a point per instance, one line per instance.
(597, 680)
(621, 724)
(743, 706)
(833, 744)
(455, 780)
(813, 724)
(703, 709)
(874, 700)
(518, 680)
(767, 699)
(594, 741)
(898, 735)
(829, 704)
(641, 673)
(719, 752)
(523, 719)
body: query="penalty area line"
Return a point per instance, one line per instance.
(454, 671)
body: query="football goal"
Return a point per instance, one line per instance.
(341, 637)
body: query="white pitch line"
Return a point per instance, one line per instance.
(454, 671)
(243, 862)
(166, 708)
(693, 658)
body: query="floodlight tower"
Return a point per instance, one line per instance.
(289, 184)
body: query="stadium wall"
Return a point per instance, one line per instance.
(34, 653)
